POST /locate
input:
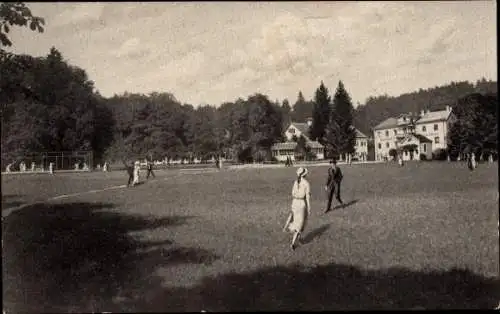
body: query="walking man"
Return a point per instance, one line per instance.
(333, 184)
(130, 171)
(150, 169)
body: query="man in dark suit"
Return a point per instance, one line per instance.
(150, 168)
(333, 184)
(130, 170)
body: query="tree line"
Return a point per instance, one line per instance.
(50, 105)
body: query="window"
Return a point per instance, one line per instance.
(379, 134)
(291, 130)
(387, 144)
(436, 140)
(435, 127)
(395, 132)
(424, 129)
(379, 146)
(425, 148)
(386, 133)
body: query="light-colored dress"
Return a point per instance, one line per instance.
(299, 207)
(136, 174)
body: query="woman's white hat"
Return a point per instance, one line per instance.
(302, 172)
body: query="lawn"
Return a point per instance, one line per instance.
(421, 236)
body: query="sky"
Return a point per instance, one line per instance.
(213, 52)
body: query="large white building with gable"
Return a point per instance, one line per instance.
(426, 132)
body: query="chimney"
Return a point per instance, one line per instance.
(422, 112)
(309, 122)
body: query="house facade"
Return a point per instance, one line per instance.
(361, 147)
(281, 151)
(414, 134)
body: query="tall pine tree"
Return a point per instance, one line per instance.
(286, 111)
(321, 113)
(302, 109)
(340, 134)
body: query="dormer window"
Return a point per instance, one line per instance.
(291, 130)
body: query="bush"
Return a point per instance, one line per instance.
(439, 154)
(310, 156)
(423, 157)
(393, 153)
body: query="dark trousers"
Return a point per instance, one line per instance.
(334, 189)
(130, 172)
(150, 172)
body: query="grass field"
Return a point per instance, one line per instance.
(421, 236)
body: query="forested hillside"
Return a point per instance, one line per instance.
(377, 109)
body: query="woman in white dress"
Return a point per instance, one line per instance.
(137, 168)
(301, 206)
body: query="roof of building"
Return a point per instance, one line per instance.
(441, 115)
(387, 124)
(284, 146)
(392, 122)
(421, 138)
(314, 144)
(302, 127)
(360, 134)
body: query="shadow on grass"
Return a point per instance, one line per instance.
(80, 256)
(316, 233)
(12, 200)
(330, 287)
(350, 203)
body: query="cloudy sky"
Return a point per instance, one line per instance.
(214, 52)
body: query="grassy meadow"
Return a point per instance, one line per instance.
(421, 236)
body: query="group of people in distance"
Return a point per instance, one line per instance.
(301, 200)
(133, 171)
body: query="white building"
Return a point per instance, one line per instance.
(287, 149)
(294, 131)
(413, 134)
(361, 147)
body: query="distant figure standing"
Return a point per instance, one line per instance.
(490, 158)
(32, 166)
(7, 169)
(217, 162)
(400, 160)
(471, 162)
(332, 186)
(137, 168)
(220, 162)
(105, 167)
(51, 168)
(130, 171)
(22, 166)
(301, 206)
(149, 166)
